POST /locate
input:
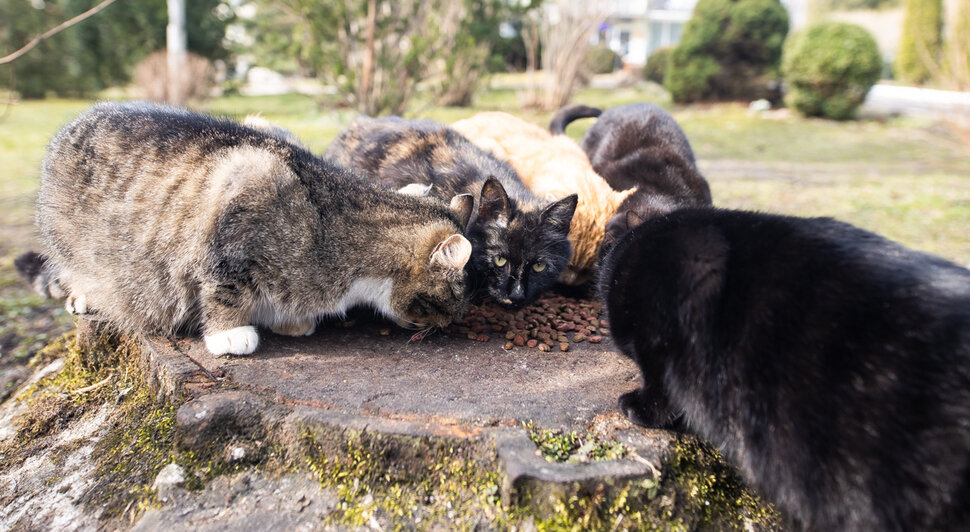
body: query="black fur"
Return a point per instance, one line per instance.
(830, 364)
(508, 221)
(33, 268)
(641, 145)
(569, 113)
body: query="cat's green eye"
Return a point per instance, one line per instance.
(500, 260)
(539, 266)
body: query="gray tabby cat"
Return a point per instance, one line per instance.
(162, 220)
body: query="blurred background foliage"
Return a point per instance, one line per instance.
(103, 51)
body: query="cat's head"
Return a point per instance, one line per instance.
(433, 290)
(617, 226)
(518, 254)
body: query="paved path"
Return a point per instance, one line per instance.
(894, 99)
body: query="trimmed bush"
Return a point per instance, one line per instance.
(921, 42)
(729, 50)
(657, 65)
(600, 59)
(829, 68)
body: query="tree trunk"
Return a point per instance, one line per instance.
(177, 43)
(367, 64)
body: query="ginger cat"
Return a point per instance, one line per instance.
(553, 167)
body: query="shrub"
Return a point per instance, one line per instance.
(920, 44)
(102, 51)
(829, 68)
(657, 65)
(600, 59)
(196, 83)
(727, 50)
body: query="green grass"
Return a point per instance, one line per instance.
(906, 178)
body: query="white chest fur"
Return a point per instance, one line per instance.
(374, 292)
(371, 291)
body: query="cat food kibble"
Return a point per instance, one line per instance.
(551, 322)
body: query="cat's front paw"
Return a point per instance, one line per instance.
(641, 410)
(300, 328)
(238, 341)
(76, 305)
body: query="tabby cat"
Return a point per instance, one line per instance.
(640, 145)
(552, 167)
(161, 220)
(830, 364)
(520, 245)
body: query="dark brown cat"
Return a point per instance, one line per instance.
(640, 146)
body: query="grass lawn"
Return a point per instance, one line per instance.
(907, 179)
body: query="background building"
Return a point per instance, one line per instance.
(636, 28)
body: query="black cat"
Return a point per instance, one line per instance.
(639, 145)
(830, 364)
(519, 243)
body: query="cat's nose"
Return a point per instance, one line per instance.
(517, 295)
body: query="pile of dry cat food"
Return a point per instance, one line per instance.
(549, 323)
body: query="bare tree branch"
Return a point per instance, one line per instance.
(53, 31)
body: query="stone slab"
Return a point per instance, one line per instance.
(443, 380)
(245, 501)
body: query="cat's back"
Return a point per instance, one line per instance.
(541, 160)
(626, 129)
(814, 268)
(396, 152)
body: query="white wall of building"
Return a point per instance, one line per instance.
(638, 27)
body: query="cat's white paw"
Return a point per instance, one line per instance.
(76, 304)
(238, 341)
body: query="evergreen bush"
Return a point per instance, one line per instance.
(729, 50)
(657, 65)
(600, 59)
(829, 68)
(921, 42)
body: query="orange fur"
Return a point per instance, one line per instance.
(553, 167)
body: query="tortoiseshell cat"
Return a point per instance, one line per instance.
(552, 167)
(162, 220)
(519, 245)
(830, 364)
(639, 145)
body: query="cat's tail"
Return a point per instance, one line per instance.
(567, 114)
(37, 271)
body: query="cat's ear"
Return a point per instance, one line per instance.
(702, 275)
(633, 219)
(415, 189)
(462, 205)
(560, 214)
(452, 253)
(494, 204)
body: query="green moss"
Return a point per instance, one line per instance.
(697, 491)
(708, 492)
(407, 481)
(559, 446)
(140, 438)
